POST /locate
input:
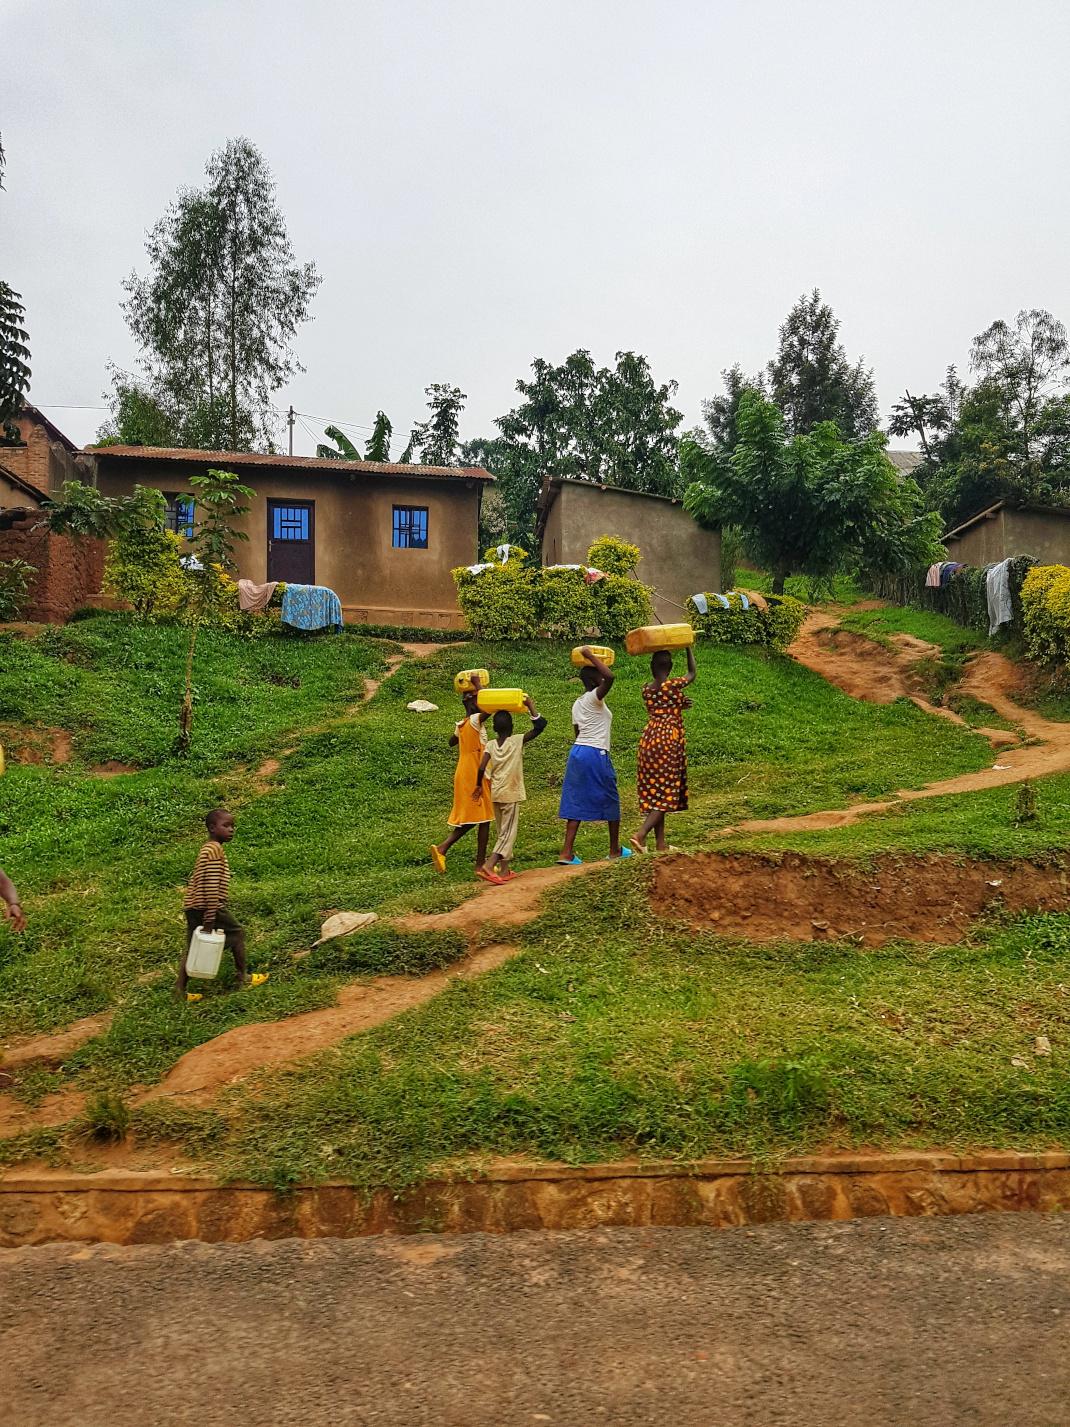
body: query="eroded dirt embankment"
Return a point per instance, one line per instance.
(764, 898)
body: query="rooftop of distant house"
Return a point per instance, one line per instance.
(990, 512)
(228, 460)
(905, 461)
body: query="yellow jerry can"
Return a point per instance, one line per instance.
(658, 636)
(462, 682)
(495, 700)
(602, 650)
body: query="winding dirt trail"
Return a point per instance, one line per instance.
(867, 670)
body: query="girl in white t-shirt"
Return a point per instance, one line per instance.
(589, 792)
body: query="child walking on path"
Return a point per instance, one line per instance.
(470, 810)
(589, 792)
(504, 761)
(663, 749)
(207, 901)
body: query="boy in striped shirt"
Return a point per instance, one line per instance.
(206, 901)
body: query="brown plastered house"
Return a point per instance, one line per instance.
(1006, 529)
(678, 557)
(383, 536)
(38, 466)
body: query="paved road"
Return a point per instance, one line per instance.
(887, 1323)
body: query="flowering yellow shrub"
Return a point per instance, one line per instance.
(1046, 613)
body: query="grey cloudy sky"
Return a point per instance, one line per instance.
(483, 181)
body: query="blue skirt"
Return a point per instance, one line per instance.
(589, 793)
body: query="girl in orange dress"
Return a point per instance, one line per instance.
(663, 749)
(472, 808)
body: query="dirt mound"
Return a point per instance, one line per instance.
(796, 898)
(858, 665)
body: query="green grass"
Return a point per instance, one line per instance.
(934, 628)
(675, 1039)
(619, 1034)
(840, 589)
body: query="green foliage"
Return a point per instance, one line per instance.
(774, 627)
(140, 415)
(107, 1117)
(816, 504)
(621, 604)
(342, 450)
(14, 362)
(811, 380)
(515, 601)
(383, 951)
(377, 447)
(438, 438)
(82, 510)
(499, 603)
(508, 511)
(613, 555)
(217, 315)
(1045, 599)
(613, 425)
(565, 604)
(731, 555)
(517, 554)
(220, 496)
(963, 599)
(16, 577)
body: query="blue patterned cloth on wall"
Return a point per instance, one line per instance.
(311, 607)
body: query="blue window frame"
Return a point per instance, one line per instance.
(178, 514)
(410, 527)
(290, 522)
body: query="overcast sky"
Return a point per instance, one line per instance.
(481, 183)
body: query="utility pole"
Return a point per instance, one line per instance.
(290, 424)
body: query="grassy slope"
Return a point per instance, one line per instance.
(616, 1034)
(663, 1049)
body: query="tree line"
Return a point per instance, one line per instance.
(790, 457)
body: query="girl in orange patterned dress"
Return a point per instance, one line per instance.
(663, 749)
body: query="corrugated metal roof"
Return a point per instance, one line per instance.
(905, 461)
(227, 459)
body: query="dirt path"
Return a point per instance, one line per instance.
(868, 671)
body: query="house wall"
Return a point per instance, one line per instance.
(43, 462)
(1014, 532)
(678, 557)
(12, 496)
(354, 527)
(69, 572)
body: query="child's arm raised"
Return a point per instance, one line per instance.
(538, 723)
(605, 673)
(692, 672)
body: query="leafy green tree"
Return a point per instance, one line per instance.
(377, 447)
(217, 316)
(220, 498)
(614, 425)
(1027, 364)
(438, 437)
(139, 417)
(815, 504)
(508, 511)
(811, 379)
(720, 412)
(14, 353)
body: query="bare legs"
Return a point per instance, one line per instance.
(572, 827)
(653, 823)
(482, 838)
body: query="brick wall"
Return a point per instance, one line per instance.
(69, 572)
(41, 460)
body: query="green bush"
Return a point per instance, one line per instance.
(964, 598)
(1045, 601)
(500, 602)
(613, 555)
(775, 627)
(514, 601)
(565, 604)
(144, 568)
(621, 604)
(15, 578)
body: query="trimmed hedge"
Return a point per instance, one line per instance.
(775, 627)
(1045, 602)
(519, 601)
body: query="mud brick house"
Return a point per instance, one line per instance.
(383, 536)
(38, 465)
(679, 558)
(1007, 529)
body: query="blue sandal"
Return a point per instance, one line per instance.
(569, 861)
